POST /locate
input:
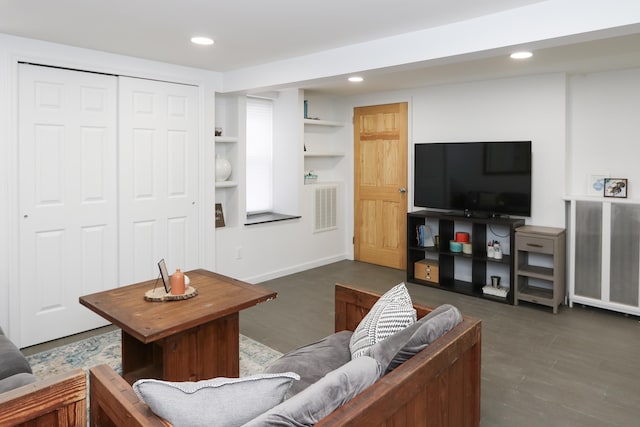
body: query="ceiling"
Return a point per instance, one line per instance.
(249, 33)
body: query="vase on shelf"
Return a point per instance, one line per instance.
(223, 168)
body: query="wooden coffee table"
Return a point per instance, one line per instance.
(184, 340)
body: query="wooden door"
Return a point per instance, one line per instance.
(380, 151)
(158, 170)
(67, 199)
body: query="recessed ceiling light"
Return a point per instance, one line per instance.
(355, 79)
(202, 40)
(521, 55)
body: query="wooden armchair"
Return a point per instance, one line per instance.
(58, 401)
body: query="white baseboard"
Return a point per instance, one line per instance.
(294, 269)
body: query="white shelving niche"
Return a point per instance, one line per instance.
(324, 147)
(230, 119)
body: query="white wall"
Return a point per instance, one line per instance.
(604, 129)
(526, 108)
(260, 252)
(529, 108)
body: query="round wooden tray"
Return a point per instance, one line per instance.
(159, 294)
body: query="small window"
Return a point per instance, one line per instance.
(259, 155)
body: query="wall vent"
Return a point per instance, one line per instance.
(325, 208)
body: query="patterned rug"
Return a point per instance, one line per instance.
(105, 348)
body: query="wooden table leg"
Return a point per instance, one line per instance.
(204, 352)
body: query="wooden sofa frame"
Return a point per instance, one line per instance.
(58, 401)
(440, 386)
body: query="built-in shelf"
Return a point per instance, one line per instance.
(226, 184)
(323, 154)
(226, 139)
(322, 122)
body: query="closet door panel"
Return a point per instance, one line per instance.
(158, 177)
(67, 199)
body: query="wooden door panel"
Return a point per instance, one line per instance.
(380, 147)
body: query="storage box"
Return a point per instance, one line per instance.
(426, 269)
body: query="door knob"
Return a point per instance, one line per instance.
(403, 190)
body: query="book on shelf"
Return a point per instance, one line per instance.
(424, 236)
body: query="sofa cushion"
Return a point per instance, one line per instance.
(12, 361)
(219, 401)
(313, 361)
(403, 345)
(17, 380)
(323, 397)
(391, 313)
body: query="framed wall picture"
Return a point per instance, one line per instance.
(616, 187)
(219, 215)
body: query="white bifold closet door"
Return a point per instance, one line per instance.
(67, 199)
(107, 187)
(158, 177)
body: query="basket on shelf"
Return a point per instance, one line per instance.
(310, 178)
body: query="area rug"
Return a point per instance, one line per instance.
(105, 348)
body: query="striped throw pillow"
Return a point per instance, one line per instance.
(391, 313)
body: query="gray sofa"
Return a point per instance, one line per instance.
(14, 368)
(426, 371)
(26, 400)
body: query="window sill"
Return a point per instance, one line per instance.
(265, 217)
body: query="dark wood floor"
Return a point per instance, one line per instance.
(580, 367)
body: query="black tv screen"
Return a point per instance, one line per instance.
(485, 178)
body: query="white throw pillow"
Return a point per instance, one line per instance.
(391, 313)
(219, 401)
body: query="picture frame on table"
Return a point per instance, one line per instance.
(616, 187)
(219, 215)
(595, 185)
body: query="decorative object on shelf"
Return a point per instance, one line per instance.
(310, 178)
(306, 109)
(615, 187)
(223, 168)
(596, 184)
(424, 236)
(218, 131)
(219, 215)
(496, 292)
(494, 250)
(455, 246)
(467, 248)
(462, 237)
(497, 250)
(495, 281)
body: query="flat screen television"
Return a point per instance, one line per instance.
(474, 178)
